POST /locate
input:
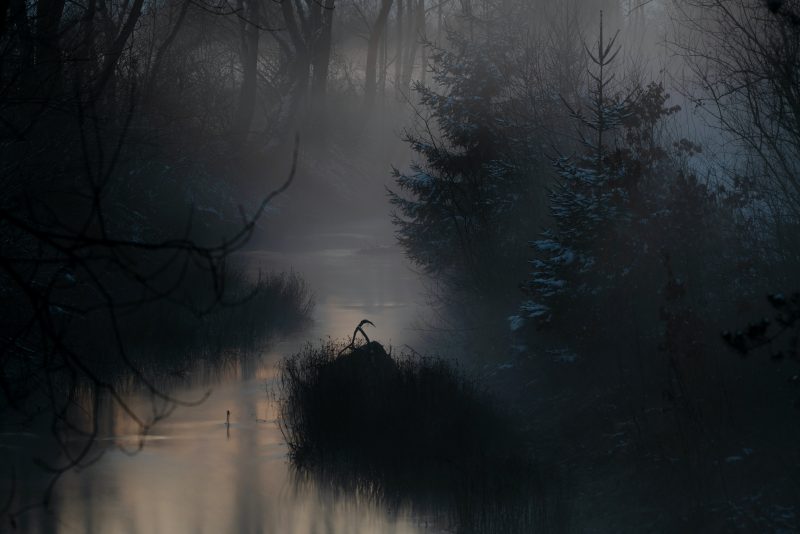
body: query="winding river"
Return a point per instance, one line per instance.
(195, 474)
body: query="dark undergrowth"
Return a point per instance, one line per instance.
(168, 341)
(412, 431)
(249, 312)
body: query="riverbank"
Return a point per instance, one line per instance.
(634, 461)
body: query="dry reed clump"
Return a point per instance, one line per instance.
(408, 431)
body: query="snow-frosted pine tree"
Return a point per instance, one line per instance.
(449, 204)
(585, 203)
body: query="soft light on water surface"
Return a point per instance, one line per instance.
(197, 476)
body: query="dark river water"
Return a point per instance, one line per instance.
(195, 475)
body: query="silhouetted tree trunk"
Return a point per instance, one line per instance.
(439, 22)
(398, 60)
(383, 64)
(4, 13)
(370, 83)
(416, 20)
(322, 52)
(249, 61)
(48, 48)
(301, 60)
(466, 11)
(155, 67)
(423, 37)
(19, 20)
(116, 48)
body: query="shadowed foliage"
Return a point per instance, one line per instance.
(410, 431)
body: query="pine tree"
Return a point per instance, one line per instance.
(585, 204)
(449, 204)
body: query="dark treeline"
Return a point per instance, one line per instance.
(580, 233)
(553, 155)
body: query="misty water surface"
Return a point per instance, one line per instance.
(194, 474)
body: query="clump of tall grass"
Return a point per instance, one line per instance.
(168, 339)
(410, 431)
(249, 312)
(254, 311)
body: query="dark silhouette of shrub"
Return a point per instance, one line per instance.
(410, 431)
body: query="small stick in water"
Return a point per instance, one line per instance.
(228, 419)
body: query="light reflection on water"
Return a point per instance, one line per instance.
(195, 475)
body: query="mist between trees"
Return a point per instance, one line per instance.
(594, 197)
(579, 231)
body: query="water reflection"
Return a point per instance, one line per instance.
(199, 475)
(196, 474)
